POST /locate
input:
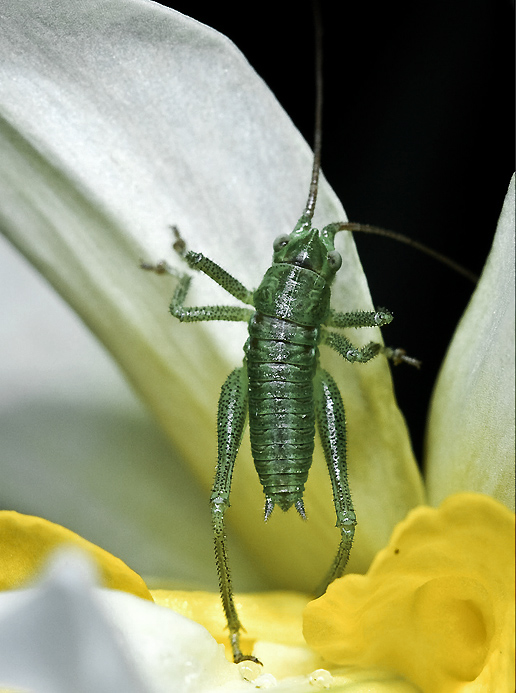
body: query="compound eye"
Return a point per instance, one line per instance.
(334, 260)
(280, 243)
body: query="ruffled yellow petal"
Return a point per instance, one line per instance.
(273, 633)
(26, 541)
(437, 604)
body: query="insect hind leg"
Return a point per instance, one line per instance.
(231, 418)
(330, 417)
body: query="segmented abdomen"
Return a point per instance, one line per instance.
(281, 358)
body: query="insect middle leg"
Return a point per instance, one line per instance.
(201, 263)
(231, 418)
(330, 418)
(361, 318)
(344, 346)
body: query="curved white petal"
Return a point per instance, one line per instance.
(65, 634)
(471, 435)
(118, 119)
(54, 637)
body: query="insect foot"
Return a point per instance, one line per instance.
(398, 356)
(159, 268)
(179, 244)
(246, 658)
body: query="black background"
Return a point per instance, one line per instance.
(418, 137)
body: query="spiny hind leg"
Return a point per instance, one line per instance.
(330, 417)
(231, 418)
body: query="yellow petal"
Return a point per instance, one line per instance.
(273, 622)
(437, 604)
(269, 617)
(273, 616)
(26, 541)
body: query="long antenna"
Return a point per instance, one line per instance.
(318, 39)
(378, 231)
(313, 189)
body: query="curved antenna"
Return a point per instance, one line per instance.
(318, 38)
(313, 189)
(367, 228)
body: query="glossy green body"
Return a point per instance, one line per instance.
(281, 357)
(281, 385)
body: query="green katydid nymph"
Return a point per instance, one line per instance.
(281, 388)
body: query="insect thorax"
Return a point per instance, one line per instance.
(293, 293)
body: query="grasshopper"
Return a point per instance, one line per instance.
(281, 387)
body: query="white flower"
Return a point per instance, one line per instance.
(116, 120)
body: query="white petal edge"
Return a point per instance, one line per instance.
(471, 434)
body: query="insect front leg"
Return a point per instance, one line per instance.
(199, 313)
(231, 417)
(201, 263)
(359, 318)
(330, 417)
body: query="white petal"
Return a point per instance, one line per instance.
(79, 448)
(471, 436)
(67, 635)
(122, 118)
(175, 653)
(54, 638)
